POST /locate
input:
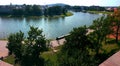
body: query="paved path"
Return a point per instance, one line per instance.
(56, 43)
(114, 60)
(3, 52)
(2, 63)
(3, 49)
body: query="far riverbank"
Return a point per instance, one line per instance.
(99, 12)
(42, 16)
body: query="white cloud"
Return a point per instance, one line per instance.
(71, 2)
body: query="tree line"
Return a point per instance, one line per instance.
(28, 11)
(36, 10)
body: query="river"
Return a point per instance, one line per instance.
(52, 27)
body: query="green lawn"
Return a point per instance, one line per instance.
(50, 58)
(62, 15)
(69, 14)
(10, 59)
(98, 12)
(110, 47)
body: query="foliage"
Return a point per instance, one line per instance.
(29, 10)
(99, 12)
(15, 43)
(96, 8)
(116, 23)
(76, 8)
(102, 28)
(50, 58)
(76, 50)
(28, 51)
(79, 46)
(9, 59)
(55, 10)
(18, 12)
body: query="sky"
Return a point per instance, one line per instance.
(70, 2)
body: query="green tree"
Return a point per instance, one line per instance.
(36, 44)
(28, 50)
(76, 50)
(36, 10)
(28, 10)
(15, 44)
(102, 28)
(18, 12)
(46, 12)
(76, 8)
(116, 24)
(56, 10)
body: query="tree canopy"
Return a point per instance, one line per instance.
(76, 50)
(27, 50)
(55, 10)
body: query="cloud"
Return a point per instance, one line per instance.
(71, 2)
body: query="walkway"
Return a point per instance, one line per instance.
(56, 43)
(3, 52)
(114, 60)
(3, 49)
(2, 63)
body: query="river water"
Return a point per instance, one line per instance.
(52, 27)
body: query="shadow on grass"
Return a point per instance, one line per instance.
(111, 41)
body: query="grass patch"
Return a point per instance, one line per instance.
(62, 15)
(98, 12)
(111, 41)
(3, 38)
(110, 47)
(69, 14)
(9, 59)
(50, 58)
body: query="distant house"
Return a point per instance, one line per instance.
(114, 60)
(109, 9)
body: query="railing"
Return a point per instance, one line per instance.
(63, 36)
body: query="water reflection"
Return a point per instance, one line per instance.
(33, 19)
(52, 27)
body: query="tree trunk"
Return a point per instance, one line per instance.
(117, 33)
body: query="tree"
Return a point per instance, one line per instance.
(28, 50)
(15, 43)
(76, 8)
(46, 12)
(116, 23)
(55, 10)
(36, 44)
(76, 50)
(36, 11)
(18, 12)
(102, 28)
(28, 10)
